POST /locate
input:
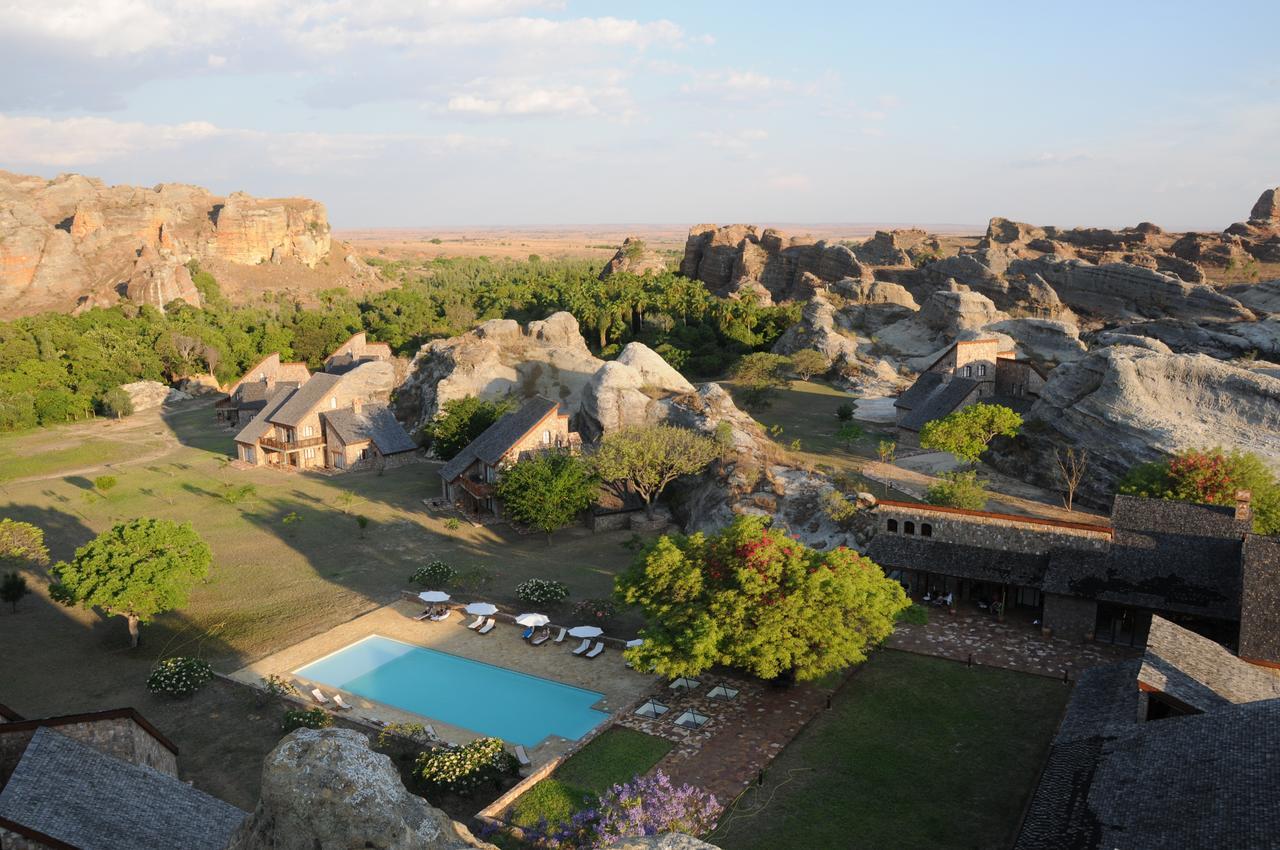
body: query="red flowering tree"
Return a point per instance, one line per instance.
(753, 598)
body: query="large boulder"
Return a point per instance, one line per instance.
(325, 789)
(654, 371)
(145, 395)
(870, 305)
(1259, 297)
(1222, 340)
(1043, 340)
(158, 280)
(1267, 208)
(817, 330)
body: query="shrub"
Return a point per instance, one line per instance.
(12, 588)
(838, 508)
(473, 580)
(415, 732)
(541, 591)
(179, 677)
(958, 490)
(844, 412)
(594, 610)
(306, 718)
(917, 614)
(461, 770)
(647, 805)
(849, 433)
(887, 450)
(103, 483)
(278, 686)
(453, 523)
(436, 574)
(116, 402)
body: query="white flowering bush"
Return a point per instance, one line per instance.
(461, 770)
(436, 575)
(179, 677)
(306, 718)
(541, 591)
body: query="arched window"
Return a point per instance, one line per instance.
(908, 527)
(891, 526)
(926, 530)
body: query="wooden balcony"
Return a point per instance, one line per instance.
(282, 446)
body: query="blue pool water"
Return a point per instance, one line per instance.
(490, 700)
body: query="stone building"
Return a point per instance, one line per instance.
(101, 781)
(968, 372)
(355, 351)
(468, 479)
(247, 396)
(1199, 565)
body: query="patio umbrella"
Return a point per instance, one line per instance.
(433, 596)
(586, 631)
(533, 620)
(632, 644)
(482, 609)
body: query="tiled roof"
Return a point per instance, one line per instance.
(897, 551)
(1198, 673)
(374, 422)
(1260, 598)
(260, 424)
(937, 397)
(499, 437)
(305, 400)
(1104, 702)
(82, 797)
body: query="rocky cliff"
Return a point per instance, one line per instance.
(73, 242)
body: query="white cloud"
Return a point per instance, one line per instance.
(488, 97)
(739, 141)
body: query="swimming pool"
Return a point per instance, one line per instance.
(490, 700)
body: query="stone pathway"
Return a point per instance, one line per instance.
(1012, 645)
(741, 736)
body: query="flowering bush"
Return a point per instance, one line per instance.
(647, 805)
(594, 610)
(309, 718)
(541, 591)
(435, 574)
(179, 677)
(278, 686)
(463, 769)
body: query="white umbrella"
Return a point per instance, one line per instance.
(586, 631)
(533, 620)
(433, 596)
(482, 609)
(632, 644)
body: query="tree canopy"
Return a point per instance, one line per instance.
(958, 490)
(21, 545)
(1211, 476)
(760, 375)
(460, 421)
(753, 598)
(548, 490)
(135, 570)
(808, 362)
(967, 432)
(649, 457)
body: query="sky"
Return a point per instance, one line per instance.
(432, 113)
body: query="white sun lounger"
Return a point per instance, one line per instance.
(342, 704)
(560, 637)
(583, 647)
(319, 697)
(522, 756)
(488, 626)
(476, 623)
(596, 650)
(442, 616)
(427, 614)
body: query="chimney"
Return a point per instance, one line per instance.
(1244, 509)
(355, 406)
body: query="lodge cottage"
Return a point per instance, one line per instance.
(248, 396)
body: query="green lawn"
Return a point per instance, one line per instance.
(616, 756)
(916, 752)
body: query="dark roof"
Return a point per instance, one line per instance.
(1142, 518)
(499, 437)
(1146, 580)
(1260, 598)
(305, 399)
(374, 422)
(82, 797)
(9, 714)
(260, 424)
(898, 551)
(1099, 526)
(1187, 782)
(933, 396)
(1199, 674)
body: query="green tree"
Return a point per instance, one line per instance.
(752, 598)
(958, 490)
(22, 545)
(12, 588)
(135, 570)
(649, 457)
(1213, 477)
(808, 362)
(760, 375)
(104, 484)
(849, 433)
(967, 432)
(460, 421)
(116, 403)
(548, 490)
(887, 450)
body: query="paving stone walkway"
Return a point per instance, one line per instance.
(1013, 644)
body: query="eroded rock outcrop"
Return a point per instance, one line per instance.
(144, 395)
(634, 257)
(74, 241)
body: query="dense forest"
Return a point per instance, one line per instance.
(56, 367)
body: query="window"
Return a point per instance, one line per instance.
(908, 527)
(982, 369)
(546, 437)
(926, 530)
(891, 526)
(308, 453)
(308, 431)
(968, 371)
(338, 460)
(333, 402)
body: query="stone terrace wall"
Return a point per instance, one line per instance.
(1004, 532)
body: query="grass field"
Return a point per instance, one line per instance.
(617, 755)
(916, 752)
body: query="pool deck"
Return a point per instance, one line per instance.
(501, 647)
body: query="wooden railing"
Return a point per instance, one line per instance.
(282, 445)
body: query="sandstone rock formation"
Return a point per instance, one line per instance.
(817, 330)
(945, 316)
(634, 257)
(324, 789)
(1226, 340)
(145, 395)
(631, 390)
(74, 241)
(1043, 340)
(1262, 298)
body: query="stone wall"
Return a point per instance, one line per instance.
(13, 841)
(118, 736)
(1068, 617)
(1004, 532)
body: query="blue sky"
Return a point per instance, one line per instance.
(456, 112)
